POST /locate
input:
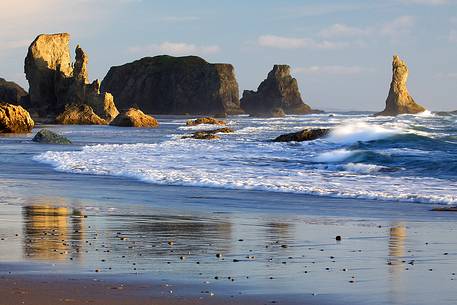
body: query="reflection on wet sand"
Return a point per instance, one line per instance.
(397, 238)
(397, 245)
(50, 233)
(187, 234)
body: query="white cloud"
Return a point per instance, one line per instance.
(283, 42)
(175, 48)
(331, 70)
(343, 30)
(398, 27)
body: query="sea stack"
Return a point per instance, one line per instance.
(56, 82)
(174, 85)
(276, 96)
(399, 101)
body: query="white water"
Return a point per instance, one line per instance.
(244, 160)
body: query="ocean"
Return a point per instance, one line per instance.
(409, 158)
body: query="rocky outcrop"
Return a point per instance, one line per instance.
(12, 93)
(276, 96)
(303, 135)
(134, 118)
(207, 120)
(55, 82)
(79, 115)
(399, 101)
(46, 136)
(14, 119)
(174, 85)
(208, 134)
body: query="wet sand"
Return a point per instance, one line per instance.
(59, 253)
(79, 290)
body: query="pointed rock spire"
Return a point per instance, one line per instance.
(399, 101)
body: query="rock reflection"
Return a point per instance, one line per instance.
(397, 239)
(52, 233)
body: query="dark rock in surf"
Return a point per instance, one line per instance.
(303, 135)
(174, 85)
(48, 137)
(208, 134)
(276, 96)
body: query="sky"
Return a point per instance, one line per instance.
(340, 51)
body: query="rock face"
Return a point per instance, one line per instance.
(399, 101)
(14, 119)
(12, 93)
(48, 137)
(174, 85)
(134, 118)
(303, 135)
(54, 82)
(207, 120)
(79, 115)
(277, 95)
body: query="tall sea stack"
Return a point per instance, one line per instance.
(174, 85)
(276, 96)
(399, 101)
(55, 82)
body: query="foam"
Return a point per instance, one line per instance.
(356, 131)
(224, 165)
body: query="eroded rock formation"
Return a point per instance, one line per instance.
(134, 118)
(82, 114)
(12, 93)
(399, 101)
(55, 82)
(303, 135)
(174, 85)
(276, 96)
(14, 119)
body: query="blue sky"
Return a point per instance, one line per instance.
(340, 51)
